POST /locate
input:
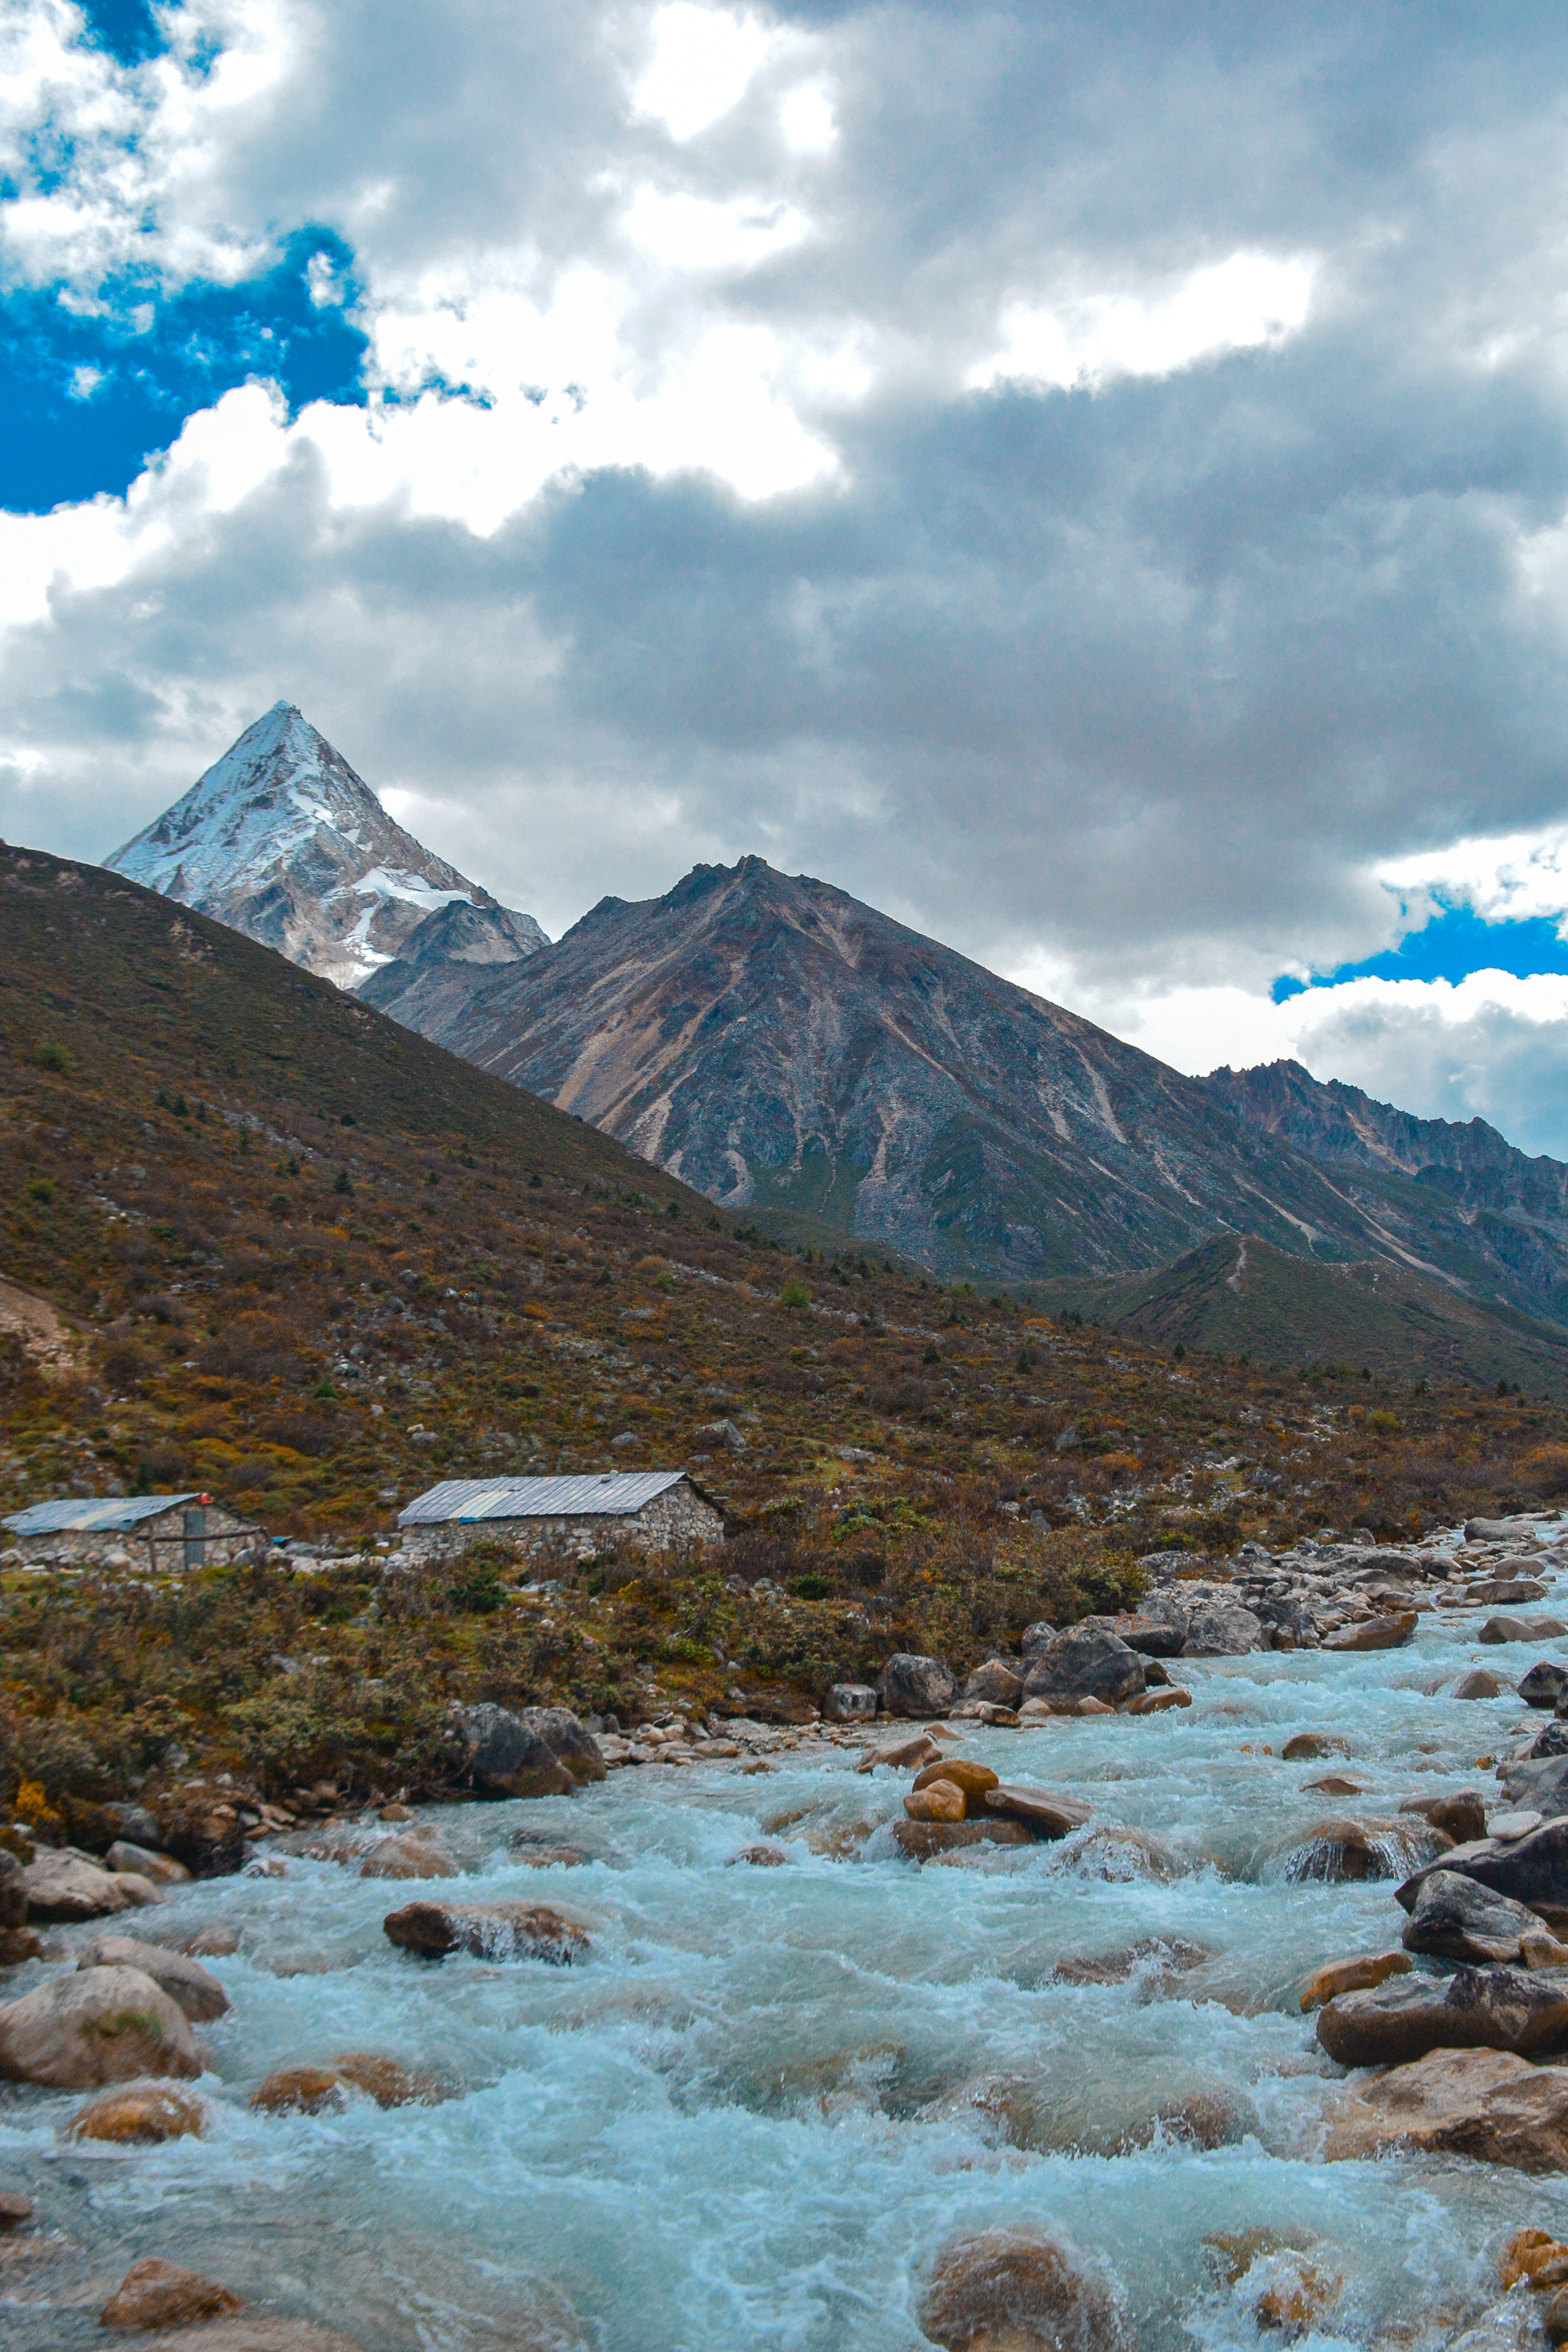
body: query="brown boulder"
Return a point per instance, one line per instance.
(972, 1779)
(1343, 1852)
(155, 2294)
(14, 2209)
(1352, 1976)
(496, 1931)
(1474, 2009)
(900, 1754)
(202, 1828)
(1535, 2255)
(1454, 1918)
(1501, 1629)
(144, 1862)
(1158, 1702)
(1390, 1633)
(1479, 1683)
(939, 1800)
(1484, 2104)
(195, 1988)
(19, 1944)
(140, 2112)
(929, 1841)
(1018, 2290)
(97, 2026)
(214, 1943)
(1047, 1815)
(13, 1891)
(388, 2082)
(409, 1856)
(1461, 1817)
(760, 1857)
(299, 2091)
(1306, 1746)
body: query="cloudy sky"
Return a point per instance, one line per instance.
(1091, 480)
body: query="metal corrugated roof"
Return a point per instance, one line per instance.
(618, 1494)
(84, 1516)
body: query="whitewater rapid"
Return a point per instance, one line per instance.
(752, 2115)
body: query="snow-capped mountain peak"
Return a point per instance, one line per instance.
(283, 840)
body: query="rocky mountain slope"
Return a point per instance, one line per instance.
(1238, 1295)
(281, 839)
(782, 1047)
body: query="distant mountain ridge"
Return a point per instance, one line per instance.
(782, 1047)
(281, 839)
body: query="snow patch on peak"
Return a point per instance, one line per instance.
(282, 839)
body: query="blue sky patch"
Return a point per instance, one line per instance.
(88, 399)
(126, 28)
(1454, 943)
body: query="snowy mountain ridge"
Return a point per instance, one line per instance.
(281, 839)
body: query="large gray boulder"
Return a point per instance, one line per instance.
(1541, 1782)
(1544, 1684)
(1454, 1918)
(103, 2025)
(912, 1686)
(66, 1885)
(1087, 1662)
(1222, 1628)
(1530, 1870)
(1041, 1810)
(1159, 1628)
(195, 1990)
(1036, 1637)
(1474, 2009)
(541, 1752)
(995, 1683)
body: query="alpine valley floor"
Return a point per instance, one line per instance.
(756, 2108)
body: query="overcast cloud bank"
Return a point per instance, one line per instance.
(1091, 482)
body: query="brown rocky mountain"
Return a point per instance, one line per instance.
(782, 1047)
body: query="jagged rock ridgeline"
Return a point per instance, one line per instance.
(281, 839)
(780, 1045)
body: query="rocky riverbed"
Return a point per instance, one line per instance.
(699, 2057)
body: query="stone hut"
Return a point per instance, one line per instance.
(163, 1533)
(654, 1507)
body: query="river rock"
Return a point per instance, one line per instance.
(1453, 1919)
(1336, 1977)
(1342, 1851)
(1040, 1809)
(142, 1862)
(1532, 1869)
(195, 1988)
(1544, 1684)
(299, 2091)
(410, 1855)
(496, 1931)
(96, 2026)
(540, 1751)
(997, 1683)
(141, 2114)
(1479, 1683)
(972, 1778)
(385, 2081)
(1036, 1638)
(1159, 1628)
(1018, 2289)
(939, 1800)
(1089, 1662)
(910, 1685)
(214, 1943)
(66, 1885)
(931, 1840)
(1389, 1633)
(1541, 1782)
(1521, 1628)
(14, 2209)
(1157, 1702)
(900, 1754)
(1462, 1817)
(1474, 2009)
(759, 1857)
(201, 1827)
(1517, 1532)
(850, 1702)
(1306, 1746)
(1535, 2255)
(1122, 1856)
(155, 2294)
(1222, 1628)
(13, 1891)
(1485, 2103)
(1495, 1591)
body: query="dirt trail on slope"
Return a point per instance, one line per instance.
(42, 1331)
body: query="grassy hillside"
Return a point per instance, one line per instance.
(301, 1257)
(1243, 1297)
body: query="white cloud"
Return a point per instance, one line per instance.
(1515, 880)
(1086, 336)
(702, 62)
(808, 118)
